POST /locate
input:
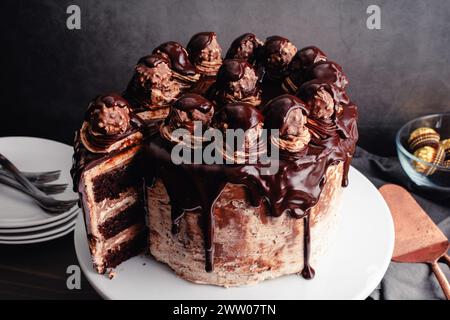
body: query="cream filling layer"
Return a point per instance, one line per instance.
(102, 247)
(96, 213)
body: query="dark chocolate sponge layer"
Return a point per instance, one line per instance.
(126, 250)
(109, 185)
(130, 216)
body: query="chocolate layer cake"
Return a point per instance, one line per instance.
(232, 221)
(108, 178)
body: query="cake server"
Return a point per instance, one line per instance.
(417, 238)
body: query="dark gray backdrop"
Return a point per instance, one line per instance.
(50, 73)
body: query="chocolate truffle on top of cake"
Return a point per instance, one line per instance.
(189, 111)
(237, 82)
(273, 63)
(277, 54)
(240, 116)
(152, 88)
(299, 66)
(183, 71)
(287, 113)
(205, 53)
(107, 177)
(321, 98)
(109, 125)
(246, 47)
(329, 72)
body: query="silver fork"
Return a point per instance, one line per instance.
(47, 203)
(38, 177)
(55, 206)
(47, 188)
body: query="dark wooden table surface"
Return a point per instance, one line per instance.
(39, 271)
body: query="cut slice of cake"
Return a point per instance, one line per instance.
(110, 183)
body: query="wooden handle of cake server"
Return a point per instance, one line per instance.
(443, 282)
(446, 259)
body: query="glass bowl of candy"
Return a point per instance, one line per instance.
(423, 147)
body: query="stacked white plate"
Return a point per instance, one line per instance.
(21, 219)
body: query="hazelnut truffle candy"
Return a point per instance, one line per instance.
(430, 157)
(319, 98)
(287, 114)
(109, 115)
(205, 53)
(422, 137)
(108, 124)
(237, 82)
(278, 53)
(299, 65)
(242, 118)
(152, 86)
(190, 112)
(183, 71)
(445, 145)
(324, 107)
(246, 47)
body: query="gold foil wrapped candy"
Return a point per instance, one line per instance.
(422, 137)
(435, 156)
(445, 145)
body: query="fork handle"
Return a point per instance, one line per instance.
(443, 282)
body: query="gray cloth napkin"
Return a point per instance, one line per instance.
(407, 280)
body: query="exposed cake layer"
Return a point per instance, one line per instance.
(250, 245)
(108, 253)
(102, 196)
(123, 219)
(114, 213)
(111, 184)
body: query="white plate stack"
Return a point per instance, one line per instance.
(21, 219)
